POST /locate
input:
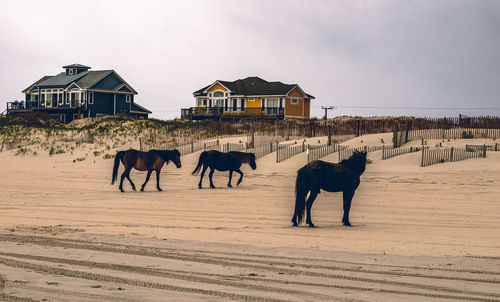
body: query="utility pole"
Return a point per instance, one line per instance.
(326, 111)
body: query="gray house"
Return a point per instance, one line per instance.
(78, 92)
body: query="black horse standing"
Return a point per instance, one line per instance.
(222, 161)
(317, 175)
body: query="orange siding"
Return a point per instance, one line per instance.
(292, 109)
(307, 108)
(296, 93)
(255, 104)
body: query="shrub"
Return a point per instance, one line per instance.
(108, 156)
(467, 134)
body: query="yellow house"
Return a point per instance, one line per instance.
(251, 97)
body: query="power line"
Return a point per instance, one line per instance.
(415, 108)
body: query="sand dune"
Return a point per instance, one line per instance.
(418, 233)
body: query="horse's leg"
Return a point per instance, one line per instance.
(202, 174)
(347, 206)
(125, 174)
(130, 180)
(241, 176)
(121, 181)
(212, 170)
(309, 204)
(158, 179)
(230, 176)
(147, 179)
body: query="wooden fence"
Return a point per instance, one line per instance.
(347, 152)
(471, 148)
(392, 152)
(186, 148)
(289, 151)
(227, 147)
(317, 152)
(436, 156)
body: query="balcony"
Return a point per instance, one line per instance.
(200, 113)
(22, 106)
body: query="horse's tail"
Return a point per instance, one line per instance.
(118, 156)
(300, 194)
(202, 159)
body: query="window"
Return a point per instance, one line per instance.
(263, 104)
(251, 100)
(76, 116)
(54, 100)
(218, 94)
(219, 103)
(295, 102)
(235, 104)
(272, 103)
(70, 71)
(199, 102)
(48, 100)
(242, 104)
(226, 104)
(91, 98)
(42, 102)
(60, 98)
(127, 98)
(281, 103)
(209, 94)
(205, 102)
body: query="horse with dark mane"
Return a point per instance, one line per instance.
(317, 175)
(223, 161)
(144, 161)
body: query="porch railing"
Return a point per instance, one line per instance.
(231, 111)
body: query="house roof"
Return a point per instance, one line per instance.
(62, 79)
(36, 83)
(84, 80)
(79, 66)
(136, 108)
(92, 78)
(253, 86)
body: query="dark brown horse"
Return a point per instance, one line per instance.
(222, 161)
(144, 161)
(319, 175)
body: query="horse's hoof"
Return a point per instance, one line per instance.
(159, 189)
(142, 189)
(122, 191)
(229, 186)
(212, 187)
(199, 187)
(311, 225)
(347, 224)
(134, 189)
(295, 224)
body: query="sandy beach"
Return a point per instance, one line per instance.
(420, 234)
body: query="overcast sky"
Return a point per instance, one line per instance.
(413, 55)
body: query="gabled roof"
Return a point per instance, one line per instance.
(253, 86)
(84, 80)
(92, 78)
(36, 83)
(136, 108)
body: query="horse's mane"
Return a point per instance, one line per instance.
(356, 162)
(242, 155)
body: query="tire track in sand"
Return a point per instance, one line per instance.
(188, 277)
(127, 281)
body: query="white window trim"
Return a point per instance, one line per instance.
(91, 98)
(294, 101)
(127, 99)
(251, 100)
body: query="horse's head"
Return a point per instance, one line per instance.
(177, 158)
(251, 162)
(359, 160)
